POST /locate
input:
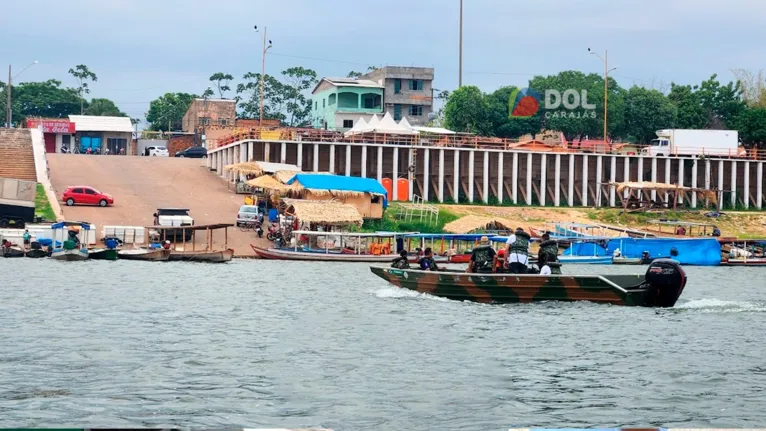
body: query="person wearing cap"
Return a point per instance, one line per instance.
(401, 262)
(482, 257)
(517, 251)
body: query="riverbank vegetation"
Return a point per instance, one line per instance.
(42, 205)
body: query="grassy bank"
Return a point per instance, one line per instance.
(392, 222)
(42, 205)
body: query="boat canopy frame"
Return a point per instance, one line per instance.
(208, 228)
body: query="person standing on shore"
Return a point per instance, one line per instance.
(518, 252)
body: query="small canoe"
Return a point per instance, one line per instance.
(103, 254)
(219, 256)
(750, 261)
(592, 260)
(622, 260)
(660, 286)
(36, 253)
(12, 252)
(156, 255)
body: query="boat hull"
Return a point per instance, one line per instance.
(277, 254)
(69, 255)
(36, 254)
(755, 261)
(591, 260)
(659, 287)
(148, 255)
(201, 256)
(103, 254)
(12, 252)
(630, 261)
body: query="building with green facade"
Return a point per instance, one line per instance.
(338, 103)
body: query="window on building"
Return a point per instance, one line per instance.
(316, 105)
(347, 124)
(114, 145)
(222, 122)
(204, 121)
(397, 86)
(323, 103)
(331, 99)
(416, 110)
(66, 139)
(348, 100)
(397, 112)
(371, 101)
(416, 85)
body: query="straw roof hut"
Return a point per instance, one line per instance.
(328, 212)
(271, 184)
(474, 223)
(245, 168)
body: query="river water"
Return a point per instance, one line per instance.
(258, 343)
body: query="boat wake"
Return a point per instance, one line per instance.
(712, 305)
(395, 292)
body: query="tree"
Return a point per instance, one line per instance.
(105, 108)
(502, 124)
(722, 103)
(222, 81)
(438, 119)
(752, 128)
(647, 111)
(208, 93)
(41, 99)
(354, 74)
(82, 74)
(167, 111)
(298, 104)
(467, 111)
(690, 113)
(249, 95)
(753, 86)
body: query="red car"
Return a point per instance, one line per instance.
(84, 195)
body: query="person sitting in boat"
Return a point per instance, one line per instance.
(617, 253)
(427, 262)
(716, 231)
(401, 262)
(548, 256)
(646, 258)
(73, 237)
(166, 245)
(518, 252)
(680, 230)
(482, 257)
(673, 252)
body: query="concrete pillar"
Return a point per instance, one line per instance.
(529, 178)
(733, 183)
(411, 174)
(668, 162)
(694, 183)
(266, 152)
(348, 160)
(219, 159)
(720, 183)
(599, 176)
(441, 175)
(242, 153)
(250, 151)
(681, 167)
(500, 175)
(485, 184)
(364, 161)
(456, 177)
(515, 178)
(612, 178)
(209, 161)
(557, 181)
(585, 180)
(316, 157)
(626, 175)
(395, 173)
(759, 186)
(380, 165)
(570, 188)
(640, 176)
(426, 168)
(298, 162)
(654, 176)
(707, 174)
(543, 179)
(283, 153)
(471, 163)
(332, 158)
(746, 196)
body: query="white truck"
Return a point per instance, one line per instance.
(167, 217)
(690, 142)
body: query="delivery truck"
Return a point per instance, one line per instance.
(689, 142)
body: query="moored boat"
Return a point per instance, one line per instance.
(750, 261)
(622, 260)
(338, 247)
(217, 256)
(71, 248)
(103, 254)
(36, 253)
(189, 250)
(12, 252)
(592, 260)
(660, 286)
(156, 255)
(291, 254)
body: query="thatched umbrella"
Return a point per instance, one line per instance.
(474, 223)
(245, 168)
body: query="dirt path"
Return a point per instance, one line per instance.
(140, 185)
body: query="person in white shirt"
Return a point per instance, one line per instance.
(517, 251)
(545, 270)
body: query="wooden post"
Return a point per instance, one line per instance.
(226, 238)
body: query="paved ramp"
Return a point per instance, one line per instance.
(140, 185)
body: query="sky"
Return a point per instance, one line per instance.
(141, 49)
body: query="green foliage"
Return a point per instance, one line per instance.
(104, 107)
(82, 74)
(42, 205)
(390, 223)
(41, 99)
(298, 81)
(222, 81)
(167, 111)
(645, 112)
(286, 101)
(752, 127)
(467, 111)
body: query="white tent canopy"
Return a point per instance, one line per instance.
(374, 121)
(433, 130)
(405, 124)
(359, 127)
(388, 125)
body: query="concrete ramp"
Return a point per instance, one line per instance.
(140, 185)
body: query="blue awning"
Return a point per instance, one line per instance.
(339, 183)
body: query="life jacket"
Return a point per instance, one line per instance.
(550, 249)
(483, 260)
(555, 267)
(521, 245)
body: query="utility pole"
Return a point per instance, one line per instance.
(8, 110)
(605, 60)
(263, 74)
(460, 67)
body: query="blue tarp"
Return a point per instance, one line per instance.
(447, 236)
(339, 182)
(45, 242)
(696, 251)
(63, 224)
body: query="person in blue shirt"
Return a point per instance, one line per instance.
(427, 262)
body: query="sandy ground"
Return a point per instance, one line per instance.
(140, 185)
(747, 224)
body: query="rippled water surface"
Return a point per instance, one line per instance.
(256, 343)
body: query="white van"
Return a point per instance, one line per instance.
(156, 151)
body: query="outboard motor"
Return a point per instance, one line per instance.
(666, 280)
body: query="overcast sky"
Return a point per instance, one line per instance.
(141, 49)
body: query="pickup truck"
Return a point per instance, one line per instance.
(174, 217)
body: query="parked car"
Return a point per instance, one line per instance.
(193, 152)
(84, 195)
(247, 213)
(166, 217)
(156, 151)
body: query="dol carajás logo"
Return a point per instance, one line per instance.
(524, 103)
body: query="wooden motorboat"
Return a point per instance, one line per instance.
(70, 255)
(71, 249)
(622, 260)
(12, 252)
(592, 260)
(36, 253)
(291, 254)
(660, 286)
(103, 254)
(190, 252)
(155, 255)
(217, 256)
(745, 261)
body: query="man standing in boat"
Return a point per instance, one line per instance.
(482, 257)
(518, 252)
(548, 256)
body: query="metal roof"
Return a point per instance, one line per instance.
(93, 123)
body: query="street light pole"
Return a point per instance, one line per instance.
(605, 60)
(9, 110)
(263, 75)
(460, 67)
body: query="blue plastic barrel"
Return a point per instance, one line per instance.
(273, 215)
